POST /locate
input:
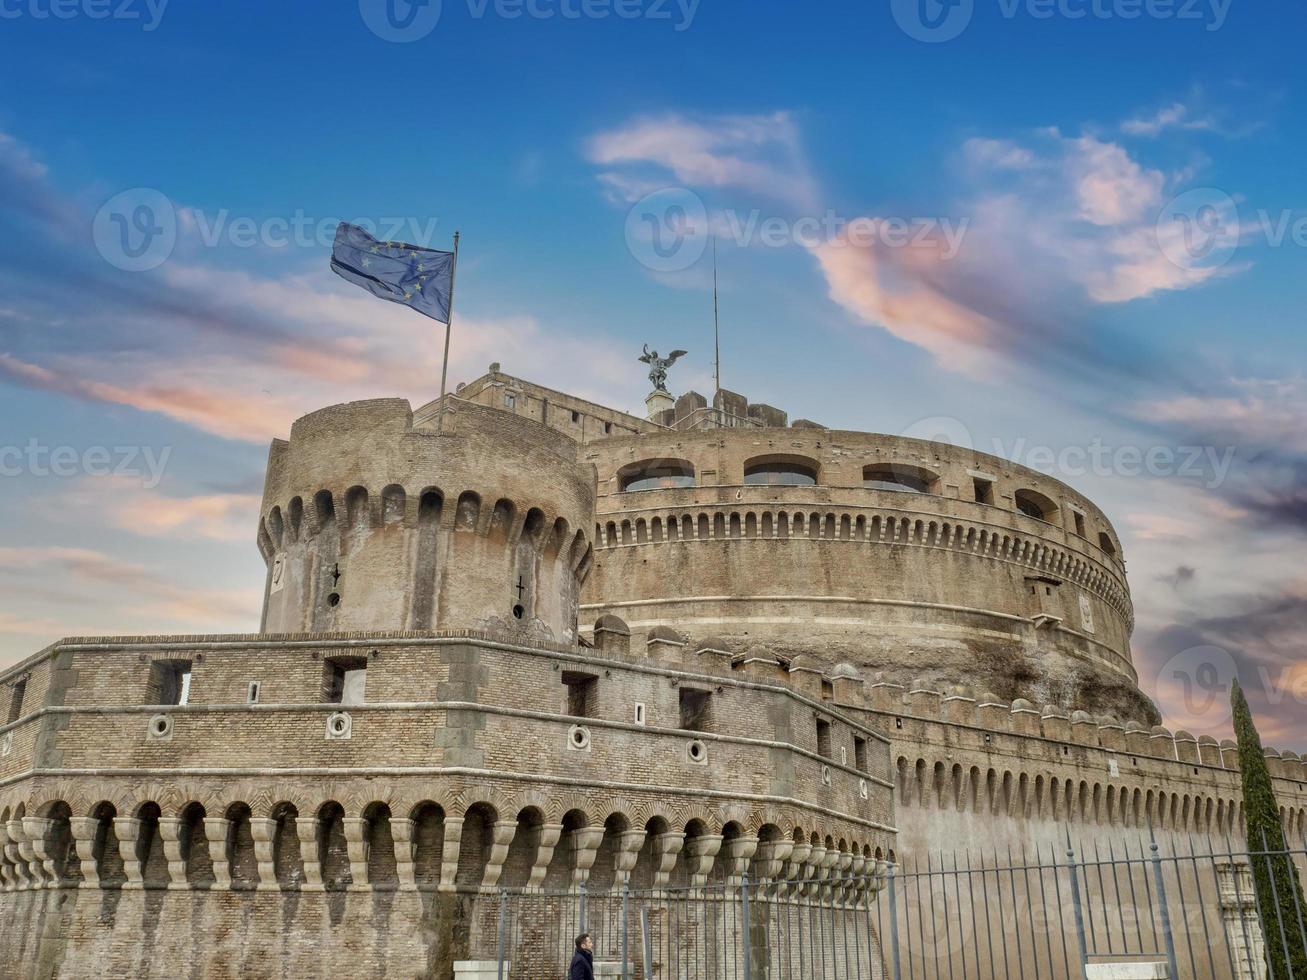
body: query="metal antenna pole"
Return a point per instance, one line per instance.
(716, 333)
(444, 364)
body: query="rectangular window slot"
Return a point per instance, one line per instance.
(170, 682)
(16, 700)
(860, 754)
(576, 417)
(694, 709)
(984, 490)
(252, 694)
(639, 713)
(344, 680)
(582, 693)
(823, 738)
(1080, 524)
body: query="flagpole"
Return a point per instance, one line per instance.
(444, 364)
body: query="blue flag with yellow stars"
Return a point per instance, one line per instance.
(418, 277)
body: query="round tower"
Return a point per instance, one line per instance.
(916, 559)
(372, 522)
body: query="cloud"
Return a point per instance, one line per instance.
(224, 351)
(758, 153)
(138, 591)
(1174, 116)
(122, 502)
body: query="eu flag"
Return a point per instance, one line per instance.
(418, 277)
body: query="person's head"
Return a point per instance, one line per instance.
(584, 941)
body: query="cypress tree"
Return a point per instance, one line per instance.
(1274, 874)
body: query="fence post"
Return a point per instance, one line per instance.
(626, 959)
(1163, 909)
(583, 894)
(503, 919)
(893, 924)
(1075, 905)
(748, 950)
(647, 942)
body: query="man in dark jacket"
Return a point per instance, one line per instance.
(583, 960)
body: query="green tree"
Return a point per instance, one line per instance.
(1279, 895)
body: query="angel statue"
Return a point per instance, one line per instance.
(658, 366)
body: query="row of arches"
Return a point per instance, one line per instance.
(882, 528)
(1019, 796)
(387, 845)
(505, 521)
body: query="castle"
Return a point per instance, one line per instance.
(517, 640)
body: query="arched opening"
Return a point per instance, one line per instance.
(108, 858)
(781, 471)
(149, 847)
(382, 873)
(603, 874)
(558, 876)
(1036, 505)
(195, 846)
(899, 478)
(428, 843)
(286, 857)
(523, 848)
(333, 850)
(392, 504)
(474, 851)
(656, 474)
(240, 849)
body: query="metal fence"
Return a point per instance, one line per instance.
(1042, 912)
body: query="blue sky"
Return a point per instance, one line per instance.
(980, 234)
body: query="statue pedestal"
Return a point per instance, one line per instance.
(658, 402)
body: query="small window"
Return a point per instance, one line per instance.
(608, 428)
(344, 680)
(576, 418)
(860, 753)
(1080, 523)
(694, 709)
(639, 713)
(984, 490)
(16, 700)
(823, 739)
(252, 692)
(780, 473)
(582, 693)
(899, 478)
(659, 474)
(1105, 542)
(510, 401)
(170, 682)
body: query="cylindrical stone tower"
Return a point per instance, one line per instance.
(370, 522)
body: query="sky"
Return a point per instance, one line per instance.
(1068, 232)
